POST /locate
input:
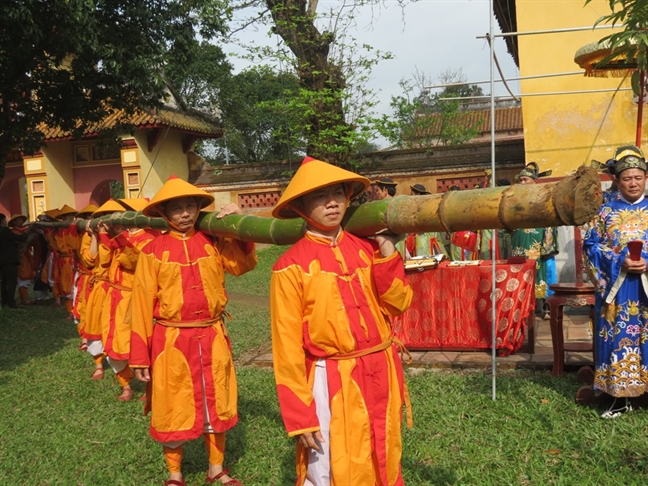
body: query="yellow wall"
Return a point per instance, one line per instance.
(562, 132)
(60, 178)
(224, 198)
(170, 160)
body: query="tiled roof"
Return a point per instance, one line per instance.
(505, 13)
(506, 119)
(164, 117)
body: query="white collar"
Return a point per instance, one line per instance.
(631, 203)
(332, 239)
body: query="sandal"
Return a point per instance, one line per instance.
(97, 374)
(126, 394)
(231, 482)
(617, 410)
(83, 347)
(175, 482)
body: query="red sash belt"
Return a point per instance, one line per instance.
(198, 323)
(119, 287)
(376, 349)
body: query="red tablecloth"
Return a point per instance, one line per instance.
(452, 307)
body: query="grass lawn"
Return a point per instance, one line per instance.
(59, 427)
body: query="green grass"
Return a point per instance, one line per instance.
(256, 282)
(57, 427)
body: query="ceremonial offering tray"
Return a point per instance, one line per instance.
(465, 263)
(423, 262)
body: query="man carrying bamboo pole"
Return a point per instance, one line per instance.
(26, 267)
(179, 344)
(96, 258)
(339, 379)
(120, 249)
(65, 242)
(82, 284)
(615, 251)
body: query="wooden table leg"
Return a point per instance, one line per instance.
(557, 338)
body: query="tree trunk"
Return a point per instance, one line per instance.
(3, 164)
(326, 123)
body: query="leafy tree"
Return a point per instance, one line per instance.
(461, 88)
(422, 119)
(632, 42)
(70, 63)
(259, 123)
(197, 77)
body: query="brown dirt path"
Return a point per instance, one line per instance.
(249, 299)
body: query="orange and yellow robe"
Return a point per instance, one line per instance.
(329, 300)
(83, 280)
(66, 242)
(26, 271)
(124, 252)
(99, 263)
(177, 330)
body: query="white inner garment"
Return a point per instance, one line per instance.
(116, 364)
(95, 348)
(319, 463)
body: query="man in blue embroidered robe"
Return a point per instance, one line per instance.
(621, 323)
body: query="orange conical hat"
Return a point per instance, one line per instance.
(52, 213)
(87, 211)
(14, 217)
(109, 207)
(66, 210)
(135, 203)
(175, 188)
(314, 174)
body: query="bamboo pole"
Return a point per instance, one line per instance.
(571, 201)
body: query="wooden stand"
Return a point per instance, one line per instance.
(572, 295)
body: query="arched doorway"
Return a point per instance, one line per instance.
(105, 190)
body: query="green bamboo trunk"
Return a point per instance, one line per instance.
(573, 200)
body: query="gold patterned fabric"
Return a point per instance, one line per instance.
(621, 328)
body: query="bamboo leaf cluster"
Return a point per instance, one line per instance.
(630, 45)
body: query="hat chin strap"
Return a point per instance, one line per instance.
(171, 225)
(317, 225)
(175, 228)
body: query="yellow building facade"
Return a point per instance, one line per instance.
(564, 131)
(79, 172)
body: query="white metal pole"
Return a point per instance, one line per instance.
(547, 31)
(546, 93)
(494, 241)
(519, 78)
